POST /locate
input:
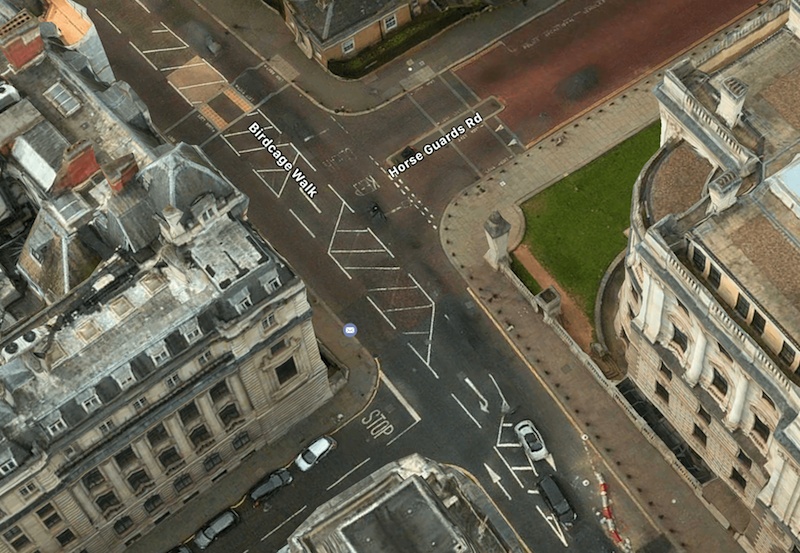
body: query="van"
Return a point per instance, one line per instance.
(556, 501)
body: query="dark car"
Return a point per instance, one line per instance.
(556, 501)
(408, 152)
(268, 486)
(211, 531)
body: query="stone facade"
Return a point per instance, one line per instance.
(150, 338)
(709, 308)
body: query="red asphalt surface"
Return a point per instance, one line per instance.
(612, 42)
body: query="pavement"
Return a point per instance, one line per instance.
(354, 387)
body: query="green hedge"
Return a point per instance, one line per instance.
(523, 274)
(406, 37)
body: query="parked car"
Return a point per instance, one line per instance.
(531, 441)
(555, 499)
(269, 486)
(408, 152)
(313, 453)
(211, 531)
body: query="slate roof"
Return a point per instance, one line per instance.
(341, 18)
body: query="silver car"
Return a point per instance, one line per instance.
(531, 441)
(211, 531)
(313, 453)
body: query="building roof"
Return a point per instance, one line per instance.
(335, 20)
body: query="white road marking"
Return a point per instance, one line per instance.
(413, 424)
(554, 526)
(108, 20)
(381, 312)
(344, 202)
(143, 6)
(251, 150)
(171, 49)
(145, 57)
(353, 230)
(433, 316)
(423, 360)
(305, 196)
(408, 309)
(509, 467)
(357, 251)
(186, 67)
(278, 527)
(333, 236)
(302, 223)
(496, 480)
(482, 400)
(348, 473)
(468, 413)
(392, 288)
(381, 243)
(496, 385)
(374, 268)
(403, 401)
(188, 86)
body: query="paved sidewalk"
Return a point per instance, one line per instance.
(661, 494)
(347, 403)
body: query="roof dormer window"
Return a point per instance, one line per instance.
(159, 354)
(8, 467)
(57, 427)
(191, 331)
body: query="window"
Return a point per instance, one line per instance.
(71, 451)
(348, 46)
(229, 414)
(240, 440)
(390, 22)
(212, 461)
(140, 403)
(62, 99)
(56, 427)
(153, 502)
(219, 391)
(278, 347)
(205, 358)
(189, 413)
(742, 306)
(157, 435)
(762, 430)
(273, 284)
(191, 331)
(92, 403)
(679, 339)
(744, 459)
(737, 477)
(665, 371)
(758, 322)
(244, 304)
(8, 466)
(124, 376)
(714, 276)
(126, 458)
(28, 490)
(123, 525)
(699, 260)
(182, 482)
(16, 538)
(92, 479)
(107, 426)
(138, 480)
(768, 399)
(720, 383)
(662, 392)
(65, 537)
(169, 457)
(704, 415)
(48, 515)
(724, 352)
(159, 354)
(268, 321)
(172, 380)
(787, 354)
(286, 371)
(107, 501)
(700, 435)
(199, 436)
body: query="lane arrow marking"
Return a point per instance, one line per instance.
(483, 401)
(496, 480)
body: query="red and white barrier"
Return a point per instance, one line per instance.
(608, 515)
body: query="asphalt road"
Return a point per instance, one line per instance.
(387, 274)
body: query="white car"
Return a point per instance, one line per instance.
(313, 453)
(531, 441)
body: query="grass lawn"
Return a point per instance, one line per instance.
(574, 227)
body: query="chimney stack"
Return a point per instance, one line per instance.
(21, 41)
(79, 164)
(731, 100)
(120, 172)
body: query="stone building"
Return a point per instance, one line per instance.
(337, 29)
(413, 505)
(710, 308)
(150, 339)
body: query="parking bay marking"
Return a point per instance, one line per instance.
(278, 527)
(554, 526)
(466, 411)
(404, 403)
(348, 473)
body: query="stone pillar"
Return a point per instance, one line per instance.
(143, 449)
(739, 397)
(208, 412)
(118, 481)
(496, 229)
(88, 506)
(550, 301)
(176, 429)
(240, 393)
(692, 376)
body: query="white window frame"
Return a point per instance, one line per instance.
(140, 403)
(92, 403)
(60, 96)
(393, 19)
(191, 331)
(8, 466)
(28, 490)
(348, 46)
(274, 284)
(205, 359)
(124, 376)
(107, 426)
(172, 380)
(244, 304)
(57, 427)
(268, 322)
(159, 354)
